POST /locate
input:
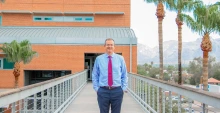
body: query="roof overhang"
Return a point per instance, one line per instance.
(109, 13)
(76, 13)
(68, 35)
(16, 11)
(61, 13)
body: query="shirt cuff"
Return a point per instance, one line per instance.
(124, 88)
(96, 89)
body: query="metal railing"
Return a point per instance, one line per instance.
(52, 96)
(175, 98)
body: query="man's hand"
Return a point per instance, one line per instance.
(125, 91)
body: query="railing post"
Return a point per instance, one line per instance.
(48, 103)
(146, 94)
(204, 108)
(139, 89)
(163, 100)
(179, 104)
(60, 95)
(57, 96)
(65, 90)
(69, 87)
(20, 105)
(42, 101)
(158, 99)
(149, 99)
(13, 108)
(153, 97)
(52, 99)
(170, 102)
(190, 105)
(25, 104)
(135, 82)
(63, 93)
(35, 102)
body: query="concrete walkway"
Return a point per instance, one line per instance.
(86, 102)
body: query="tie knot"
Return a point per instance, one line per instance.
(109, 56)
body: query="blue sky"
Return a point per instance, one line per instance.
(144, 23)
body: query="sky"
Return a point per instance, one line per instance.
(145, 24)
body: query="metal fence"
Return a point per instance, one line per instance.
(52, 96)
(175, 98)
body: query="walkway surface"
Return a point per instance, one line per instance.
(86, 102)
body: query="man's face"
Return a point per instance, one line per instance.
(109, 46)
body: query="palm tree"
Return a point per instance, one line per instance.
(17, 53)
(160, 13)
(206, 21)
(179, 7)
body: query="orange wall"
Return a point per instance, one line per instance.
(67, 5)
(63, 57)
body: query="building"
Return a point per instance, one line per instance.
(213, 81)
(67, 34)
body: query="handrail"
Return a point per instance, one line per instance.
(142, 86)
(58, 89)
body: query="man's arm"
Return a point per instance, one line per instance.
(95, 76)
(124, 77)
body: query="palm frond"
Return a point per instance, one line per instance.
(152, 1)
(191, 23)
(189, 5)
(18, 52)
(206, 19)
(170, 5)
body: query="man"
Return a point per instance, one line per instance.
(109, 77)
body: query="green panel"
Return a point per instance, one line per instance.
(0, 63)
(37, 18)
(78, 19)
(7, 65)
(48, 18)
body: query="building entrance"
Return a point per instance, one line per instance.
(89, 63)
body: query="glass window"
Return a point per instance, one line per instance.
(1, 110)
(1, 63)
(78, 19)
(37, 18)
(7, 65)
(63, 18)
(48, 19)
(89, 19)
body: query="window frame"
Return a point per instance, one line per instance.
(63, 19)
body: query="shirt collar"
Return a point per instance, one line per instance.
(113, 54)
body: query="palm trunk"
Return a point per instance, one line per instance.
(179, 24)
(160, 15)
(205, 76)
(206, 47)
(205, 70)
(160, 32)
(16, 73)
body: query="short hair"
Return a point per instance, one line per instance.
(109, 39)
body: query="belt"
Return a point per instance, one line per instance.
(108, 87)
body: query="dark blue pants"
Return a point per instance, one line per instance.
(110, 98)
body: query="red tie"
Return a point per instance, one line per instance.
(110, 81)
